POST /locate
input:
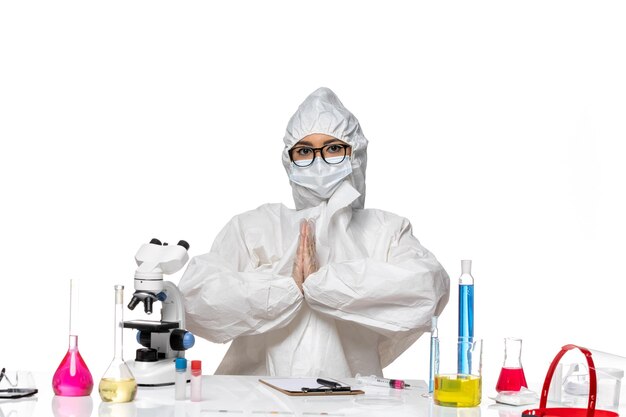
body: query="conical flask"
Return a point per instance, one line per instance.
(72, 378)
(118, 384)
(512, 376)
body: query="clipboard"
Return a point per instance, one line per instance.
(293, 387)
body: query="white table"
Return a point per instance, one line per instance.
(235, 396)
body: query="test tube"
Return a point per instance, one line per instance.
(434, 354)
(466, 316)
(196, 380)
(181, 379)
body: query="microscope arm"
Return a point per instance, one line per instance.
(173, 308)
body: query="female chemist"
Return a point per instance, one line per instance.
(328, 289)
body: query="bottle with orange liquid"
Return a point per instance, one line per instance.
(512, 376)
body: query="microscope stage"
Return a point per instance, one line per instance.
(151, 326)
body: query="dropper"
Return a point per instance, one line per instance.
(434, 354)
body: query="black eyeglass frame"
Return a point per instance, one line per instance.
(344, 146)
(14, 393)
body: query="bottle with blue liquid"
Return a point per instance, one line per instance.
(466, 316)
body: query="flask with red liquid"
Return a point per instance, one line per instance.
(512, 376)
(72, 378)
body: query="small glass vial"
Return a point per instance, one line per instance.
(181, 379)
(118, 384)
(196, 380)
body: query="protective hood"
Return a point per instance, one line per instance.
(322, 112)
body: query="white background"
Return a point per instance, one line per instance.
(496, 127)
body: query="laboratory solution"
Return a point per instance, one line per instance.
(460, 390)
(457, 390)
(117, 390)
(118, 384)
(512, 376)
(72, 378)
(466, 315)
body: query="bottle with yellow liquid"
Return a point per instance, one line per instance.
(118, 384)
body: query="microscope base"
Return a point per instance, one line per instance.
(154, 374)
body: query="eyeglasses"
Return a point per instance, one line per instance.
(332, 154)
(12, 392)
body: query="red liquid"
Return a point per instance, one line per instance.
(511, 379)
(72, 378)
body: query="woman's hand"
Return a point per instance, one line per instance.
(306, 257)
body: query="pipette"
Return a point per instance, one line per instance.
(434, 354)
(373, 380)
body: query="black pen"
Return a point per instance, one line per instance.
(328, 383)
(327, 390)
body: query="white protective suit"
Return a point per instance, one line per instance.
(372, 297)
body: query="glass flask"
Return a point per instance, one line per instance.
(512, 376)
(118, 384)
(72, 378)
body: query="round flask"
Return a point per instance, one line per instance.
(118, 384)
(72, 378)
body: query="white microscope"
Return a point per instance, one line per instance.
(167, 339)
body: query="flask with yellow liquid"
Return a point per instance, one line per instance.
(118, 384)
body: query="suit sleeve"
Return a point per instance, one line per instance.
(397, 295)
(228, 293)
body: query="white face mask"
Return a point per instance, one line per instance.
(320, 177)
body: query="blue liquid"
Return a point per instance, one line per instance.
(466, 327)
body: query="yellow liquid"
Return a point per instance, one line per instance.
(117, 390)
(457, 390)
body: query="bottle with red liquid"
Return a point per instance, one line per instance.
(72, 378)
(512, 376)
